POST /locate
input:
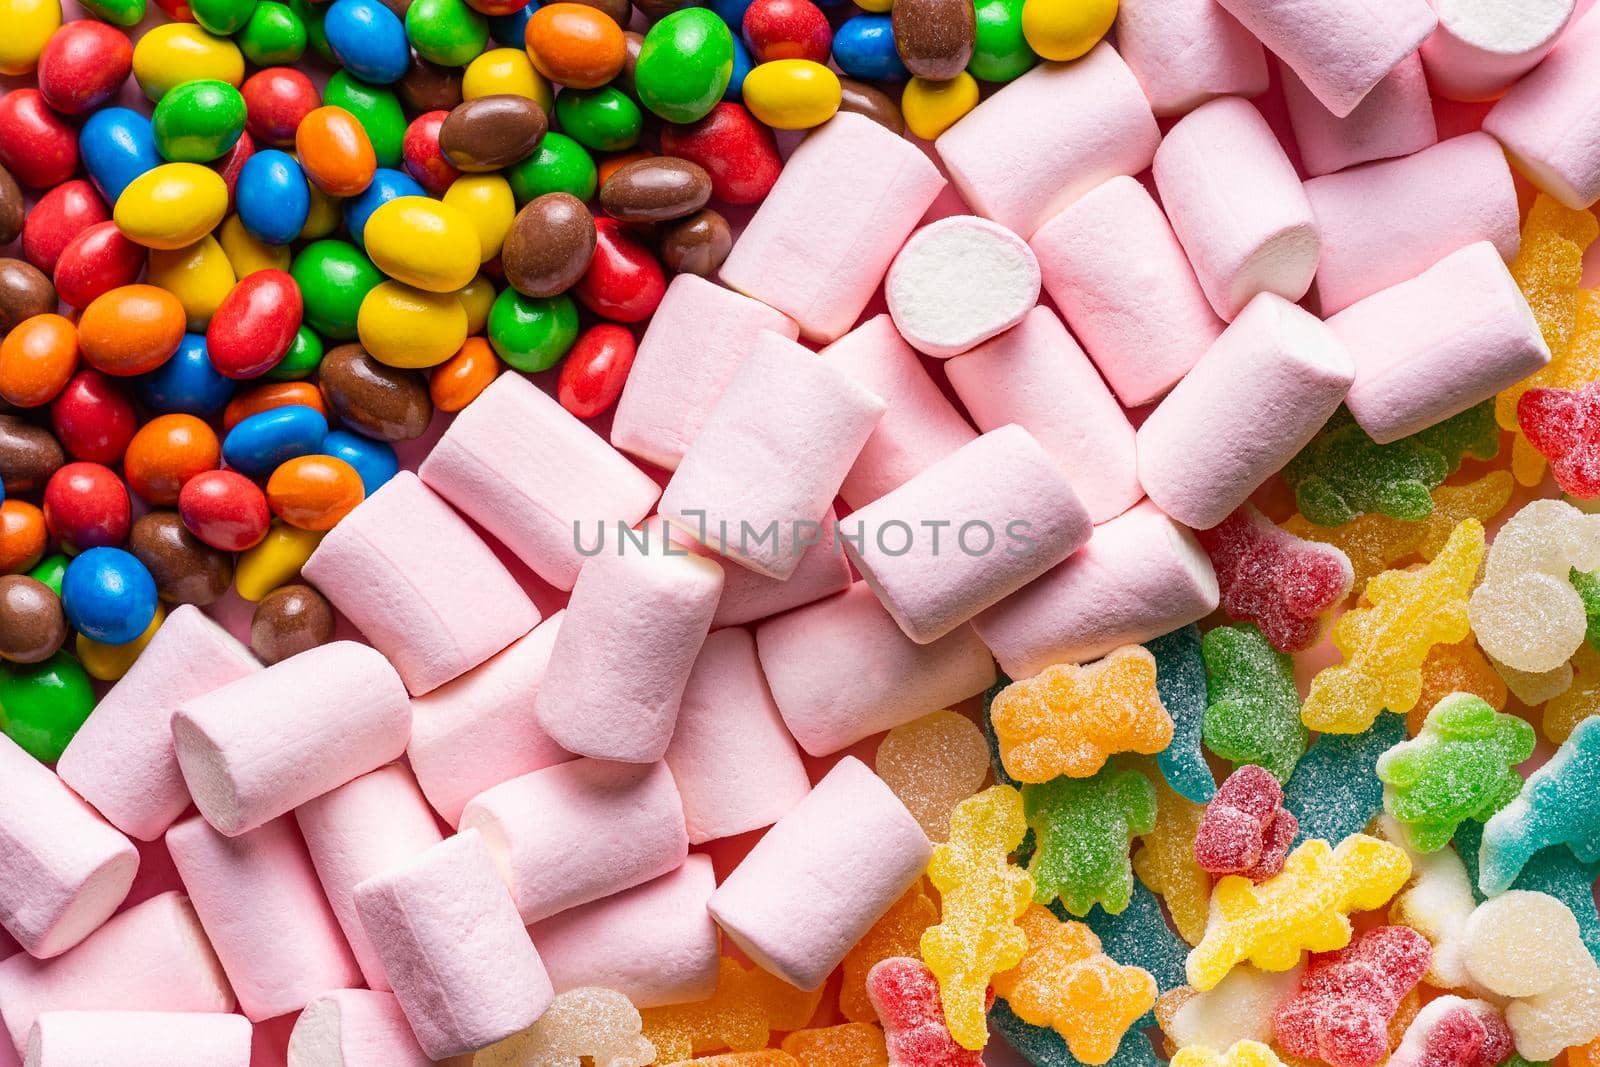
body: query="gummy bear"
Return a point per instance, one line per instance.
(1082, 828)
(1563, 425)
(1560, 805)
(1526, 613)
(1303, 907)
(905, 995)
(981, 897)
(1436, 903)
(1245, 830)
(1346, 1000)
(1068, 719)
(1454, 1032)
(581, 1024)
(1254, 716)
(1238, 1008)
(845, 1045)
(1139, 936)
(1335, 790)
(932, 764)
(1280, 582)
(1553, 871)
(1584, 1055)
(898, 932)
(1240, 1054)
(1580, 701)
(1043, 1047)
(1384, 645)
(748, 1004)
(1181, 685)
(1164, 861)
(1457, 668)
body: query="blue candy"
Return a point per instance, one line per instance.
(1553, 871)
(117, 145)
(274, 199)
(108, 595)
(511, 31)
(1043, 1047)
(1559, 805)
(369, 41)
(993, 741)
(1181, 685)
(731, 12)
(375, 461)
(741, 68)
(863, 46)
(1139, 936)
(257, 445)
(386, 185)
(1335, 790)
(186, 383)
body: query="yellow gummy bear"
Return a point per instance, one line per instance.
(1241, 1054)
(982, 894)
(1582, 701)
(1384, 645)
(1303, 907)
(1067, 983)
(1068, 719)
(1165, 863)
(846, 1045)
(747, 1006)
(897, 933)
(1457, 668)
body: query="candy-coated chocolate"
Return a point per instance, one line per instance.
(575, 45)
(790, 29)
(368, 40)
(50, 570)
(558, 165)
(255, 326)
(1062, 30)
(248, 253)
(58, 217)
(314, 492)
(277, 559)
(685, 64)
(303, 357)
(83, 66)
(186, 570)
(624, 281)
(424, 159)
(86, 506)
(276, 99)
(446, 31)
(266, 397)
(186, 383)
(549, 246)
(697, 244)
(931, 107)
(274, 199)
(93, 418)
(374, 461)
(29, 455)
(233, 162)
(221, 17)
(324, 217)
(500, 71)
(29, 26)
(108, 595)
(492, 132)
(24, 293)
(611, 164)
(198, 275)
(382, 401)
(97, 260)
(289, 620)
(23, 536)
(1000, 49)
(408, 327)
(225, 510)
(334, 278)
(424, 243)
(36, 359)
(430, 86)
(274, 34)
(257, 444)
(595, 370)
(603, 119)
(107, 663)
(935, 38)
(198, 121)
(44, 704)
(532, 333)
(32, 625)
(487, 202)
(36, 145)
(377, 110)
(333, 148)
(131, 330)
(13, 209)
(477, 297)
(457, 381)
(166, 452)
(172, 206)
(792, 94)
(658, 189)
(116, 145)
(733, 148)
(872, 102)
(178, 52)
(863, 46)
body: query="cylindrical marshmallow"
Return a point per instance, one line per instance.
(1432, 347)
(736, 766)
(1037, 377)
(756, 481)
(1550, 120)
(423, 588)
(655, 943)
(139, 1039)
(1482, 46)
(1340, 48)
(1117, 272)
(958, 282)
(270, 741)
(633, 628)
(524, 468)
(822, 876)
(748, 595)
(1237, 206)
(1386, 222)
(1019, 157)
(121, 759)
(66, 870)
(258, 898)
(967, 532)
(579, 831)
(463, 969)
(919, 427)
(841, 670)
(696, 339)
(1251, 403)
(1140, 576)
(354, 1028)
(1395, 119)
(363, 828)
(480, 730)
(1185, 52)
(152, 957)
(818, 245)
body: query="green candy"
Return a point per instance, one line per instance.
(532, 333)
(1000, 52)
(1254, 710)
(1588, 587)
(222, 17)
(312, 15)
(116, 12)
(274, 36)
(1084, 828)
(50, 571)
(685, 64)
(602, 119)
(376, 109)
(304, 356)
(558, 165)
(198, 121)
(447, 32)
(334, 277)
(43, 704)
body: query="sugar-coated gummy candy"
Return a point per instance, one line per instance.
(1139, 936)
(748, 1005)
(1587, 583)
(844, 1045)
(1082, 828)
(1043, 1047)
(1238, 1008)
(1457, 668)
(1526, 613)
(1282, 583)
(932, 764)
(1454, 1032)
(1563, 426)
(898, 932)
(1181, 683)
(1164, 861)
(1254, 714)
(1335, 791)
(1346, 1000)
(905, 994)
(1436, 903)
(1239, 1054)
(1553, 871)
(581, 1024)
(1579, 701)
(1245, 830)
(1559, 805)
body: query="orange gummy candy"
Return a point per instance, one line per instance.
(846, 1045)
(741, 1015)
(1456, 668)
(932, 764)
(897, 933)
(1582, 701)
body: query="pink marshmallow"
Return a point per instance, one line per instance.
(735, 764)
(655, 943)
(748, 596)
(1237, 206)
(525, 469)
(1140, 576)
(423, 588)
(1020, 156)
(363, 828)
(66, 869)
(1262, 392)
(354, 1028)
(1184, 52)
(121, 760)
(1432, 347)
(1340, 48)
(696, 339)
(1481, 47)
(1395, 119)
(480, 730)
(1036, 376)
(580, 831)
(753, 473)
(270, 741)
(1386, 222)
(958, 282)
(139, 1039)
(819, 243)
(841, 670)
(822, 876)
(463, 969)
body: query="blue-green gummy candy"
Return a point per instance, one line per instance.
(1334, 791)
(1181, 685)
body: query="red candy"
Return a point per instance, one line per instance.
(231, 164)
(1564, 426)
(83, 65)
(86, 506)
(255, 325)
(96, 261)
(36, 145)
(224, 509)
(906, 995)
(787, 29)
(60, 216)
(1346, 1000)
(731, 146)
(595, 370)
(275, 100)
(1464, 1033)
(624, 281)
(93, 418)
(1245, 829)
(424, 159)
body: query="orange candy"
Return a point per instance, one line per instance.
(273, 395)
(168, 451)
(575, 45)
(457, 381)
(36, 359)
(335, 151)
(314, 492)
(22, 536)
(131, 330)
(611, 164)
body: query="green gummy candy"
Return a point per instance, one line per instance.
(1254, 714)
(1083, 828)
(1588, 587)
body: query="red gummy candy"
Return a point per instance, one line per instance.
(1455, 1033)
(1346, 1000)
(906, 995)
(1274, 579)
(1245, 829)
(1564, 426)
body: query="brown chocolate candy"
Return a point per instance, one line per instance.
(656, 10)
(935, 38)
(32, 624)
(389, 403)
(633, 40)
(186, 569)
(697, 244)
(289, 620)
(658, 189)
(549, 246)
(399, 7)
(874, 103)
(428, 86)
(24, 293)
(11, 207)
(29, 455)
(492, 132)
(619, 11)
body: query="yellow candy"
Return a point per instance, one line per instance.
(876, 6)
(932, 764)
(487, 204)
(897, 933)
(425, 243)
(981, 896)
(406, 327)
(931, 107)
(178, 52)
(275, 562)
(29, 25)
(1305, 906)
(1066, 29)
(792, 94)
(586, 1023)
(247, 253)
(741, 1015)
(506, 71)
(846, 1045)
(477, 297)
(172, 206)
(110, 662)
(1165, 863)
(1582, 701)
(1241, 1054)
(324, 217)
(200, 276)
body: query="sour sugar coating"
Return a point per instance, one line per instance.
(1246, 830)
(1436, 904)
(897, 933)
(1385, 644)
(1457, 668)
(1082, 828)
(1454, 1032)
(1304, 907)
(1560, 805)
(588, 1023)
(906, 996)
(748, 1005)
(1563, 426)
(1587, 583)
(981, 896)
(1181, 685)
(1526, 614)
(1238, 1008)
(1581, 701)
(1334, 791)
(1346, 1000)
(1239, 1054)
(1254, 715)
(932, 764)
(1069, 719)
(1268, 576)
(845, 1045)
(1526, 946)
(1139, 936)
(1553, 871)
(1043, 1047)
(1165, 862)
